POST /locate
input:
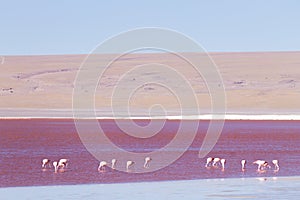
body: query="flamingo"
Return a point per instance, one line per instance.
(223, 163)
(261, 164)
(102, 165)
(208, 161)
(275, 162)
(55, 164)
(45, 162)
(243, 163)
(215, 161)
(63, 162)
(113, 163)
(129, 163)
(147, 160)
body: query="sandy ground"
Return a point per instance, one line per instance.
(263, 82)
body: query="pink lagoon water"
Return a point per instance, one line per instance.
(24, 142)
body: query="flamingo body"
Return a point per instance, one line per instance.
(102, 165)
(147, 160)
(113, 163)
(261, 164)
(63, 162)
(243, 163)
(215, 161)
(55, 165)
(45, 162)
(129, 164)
(223, 161)
(208, 161)
(275, 162)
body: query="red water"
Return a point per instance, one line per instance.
(25, 142)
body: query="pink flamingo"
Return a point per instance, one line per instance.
(129, 164)
(215, 161)
(45, 162)
(223, 161)
(275, 162)
(243, 163)
(147, 160)
(55, 165)
(102, 166)
(63, 162)
(113, 163)
(208, 161)
(261, 164)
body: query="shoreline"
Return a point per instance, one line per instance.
(260, 178)
(68, 114)
(185, 118)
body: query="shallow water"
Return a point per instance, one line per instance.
(25, 142)
(236, 188)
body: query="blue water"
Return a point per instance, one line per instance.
(237, 188)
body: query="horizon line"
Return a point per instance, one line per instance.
(209, 52)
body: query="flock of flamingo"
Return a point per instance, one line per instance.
(62, 164)
(262, 165)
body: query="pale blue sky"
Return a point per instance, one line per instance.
(75, 27)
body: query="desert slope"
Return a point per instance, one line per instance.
(259, 82)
